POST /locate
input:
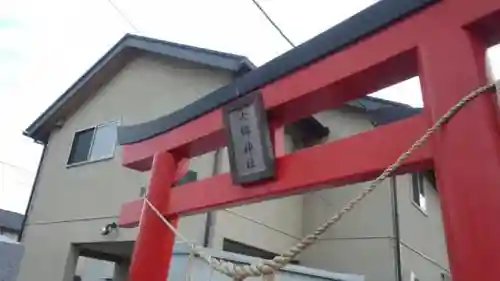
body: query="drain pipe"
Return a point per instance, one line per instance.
(395, 216)
(32, 193)
(395, 228)
(210, 214)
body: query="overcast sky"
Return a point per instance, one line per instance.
(47, 45)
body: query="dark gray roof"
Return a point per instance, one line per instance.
(378, 111)
(382, 112)
(385, 116)
(371, 103)
(116, 58)
(11, 220)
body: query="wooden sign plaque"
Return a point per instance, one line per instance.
(249, 145)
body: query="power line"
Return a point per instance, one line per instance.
(261, 223)
(123, 16)
(288, 234)
(323, 199)
(293, 46)
(273, 23)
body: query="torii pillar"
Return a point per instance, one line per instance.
(466, 152)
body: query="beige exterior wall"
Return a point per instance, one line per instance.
(71, 205)
(146, 89)
(362, 242)
(48, 254)
(423, 245)
(282, 219)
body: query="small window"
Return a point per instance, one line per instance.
(418, 190)
(94, 144)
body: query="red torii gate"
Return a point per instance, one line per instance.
(442, 41)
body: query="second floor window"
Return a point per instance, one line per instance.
(93, 144)
(418, 191)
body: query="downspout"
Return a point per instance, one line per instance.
(32, 194)
(210, 214)
(395, 217)
(395, 228)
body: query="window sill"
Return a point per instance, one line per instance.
(423, 211)
(78, 164)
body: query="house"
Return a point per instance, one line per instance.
(10, 250)
(81, 184)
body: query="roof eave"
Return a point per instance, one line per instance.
(38, 130)
(33, 130)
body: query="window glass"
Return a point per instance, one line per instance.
(104, 142)
(81, 146)
(418, 190)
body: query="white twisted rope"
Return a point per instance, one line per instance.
(268, 267)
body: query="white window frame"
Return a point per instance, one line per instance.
(422, 181)
(95, 127)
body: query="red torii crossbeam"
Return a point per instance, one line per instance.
(445, 44)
